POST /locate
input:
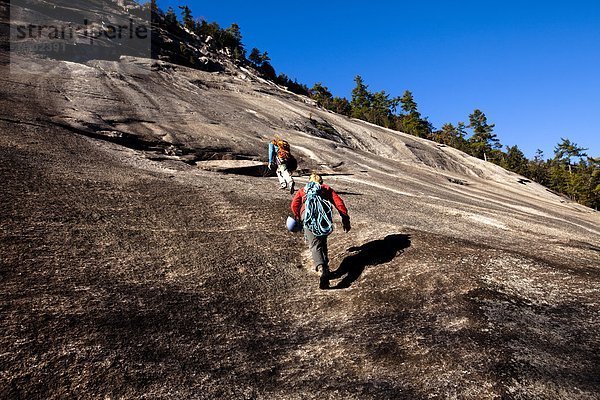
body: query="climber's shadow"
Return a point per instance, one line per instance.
(371, 253)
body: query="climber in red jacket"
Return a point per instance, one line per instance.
(312, 205)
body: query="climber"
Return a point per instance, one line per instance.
(279, 153)
(313, 205)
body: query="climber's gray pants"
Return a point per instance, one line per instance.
(318, 248)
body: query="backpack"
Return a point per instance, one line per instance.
(291, 163)
(283, 149)
(317, 211)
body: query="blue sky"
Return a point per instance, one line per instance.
(533, 67)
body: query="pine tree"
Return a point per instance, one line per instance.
(584, 183)
(537, 169)
(361, 99)
(171, 18)
(321, 95)
(255, 57)
(267, 70)
(558, 177)
(232, 39)
(235, 33)
(514, 160)
(566, 150)
(461, 134)
(412, 122)
(409, 124)
(591, 175)
(563, 178)
(451, 135)
(483, 137)
(394, 103)
(380, 109)
(408, 103)
(341, 105)
(188, 20)
(265, 57)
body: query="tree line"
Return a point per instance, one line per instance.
(227, 41)
(569, 170)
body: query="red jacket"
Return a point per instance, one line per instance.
(327, 193)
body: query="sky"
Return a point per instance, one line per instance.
(533, 67)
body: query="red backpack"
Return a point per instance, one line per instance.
(283, 151)
(284, 155)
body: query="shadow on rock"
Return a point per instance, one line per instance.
(372, 253)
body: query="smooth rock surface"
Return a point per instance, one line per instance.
(128, 272)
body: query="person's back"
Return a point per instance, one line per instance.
(317, 209)
(280, 154)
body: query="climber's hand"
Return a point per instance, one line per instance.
(346, 224)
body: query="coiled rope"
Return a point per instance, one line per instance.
(317, 211)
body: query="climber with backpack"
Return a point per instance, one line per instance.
(312, 207)
(280, 154)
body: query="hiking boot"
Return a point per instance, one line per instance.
(324, 279)
(323, 282)
(292, 187)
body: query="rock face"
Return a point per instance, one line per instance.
(128, 271)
